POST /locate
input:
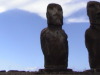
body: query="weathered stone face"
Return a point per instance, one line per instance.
(54, 14)
(93, 11)
(92, 34)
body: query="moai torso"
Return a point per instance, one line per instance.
(55, 48)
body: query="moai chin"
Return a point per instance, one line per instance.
(92, 34)
(54, 42)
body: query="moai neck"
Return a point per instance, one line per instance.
(95, 26)
(55, 27)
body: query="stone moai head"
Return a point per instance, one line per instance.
(93, 11)
(54, 14)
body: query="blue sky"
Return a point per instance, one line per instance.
(21, 22)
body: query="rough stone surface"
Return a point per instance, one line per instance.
(54, 42)
(92, 34)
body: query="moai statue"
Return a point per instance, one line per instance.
(92, 35)
(54, 42)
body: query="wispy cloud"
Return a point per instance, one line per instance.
(11, 4)
(76, 20)
(39, 6)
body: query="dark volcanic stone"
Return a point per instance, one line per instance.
(92, 35)
(54, 42)
(55, 70)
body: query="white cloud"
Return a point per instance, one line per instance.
(76, 20)
(73, 7)
(2, 9)
(11, 4)
(39, 6)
